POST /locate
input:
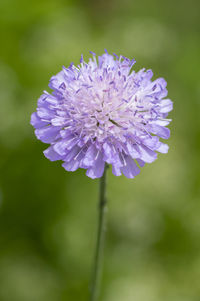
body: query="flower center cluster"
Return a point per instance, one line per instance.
(109, 113)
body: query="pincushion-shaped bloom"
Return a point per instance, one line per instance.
(103, 112)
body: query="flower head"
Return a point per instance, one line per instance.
(103, 112)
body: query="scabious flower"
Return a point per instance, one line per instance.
(103, 112)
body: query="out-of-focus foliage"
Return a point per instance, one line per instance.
(48, 216)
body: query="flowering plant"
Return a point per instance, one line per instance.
(100, 113)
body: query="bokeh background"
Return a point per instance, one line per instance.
(48, 216)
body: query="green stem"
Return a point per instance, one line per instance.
(98, 259)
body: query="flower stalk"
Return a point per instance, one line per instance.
(98, 259)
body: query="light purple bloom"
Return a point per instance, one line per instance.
(102, 112)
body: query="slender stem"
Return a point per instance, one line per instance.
(96, 276)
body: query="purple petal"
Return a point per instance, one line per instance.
(133, 150)
(90, 156)
(72, 153)
(130, 170)
(110, 154)
(166, 106)
(158, 130)
(140, 162)
(47, 134)
(151, 142)
(116, 170)
(45, 113)
(61, 147)
(146, 154)
(71, 165)
(57, 80)
(58, 121)
(96, 171)
(163, 148)
(36, 121)
(52, 155)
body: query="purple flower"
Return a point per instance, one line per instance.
(102, 112)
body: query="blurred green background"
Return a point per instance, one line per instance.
(48, 216)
